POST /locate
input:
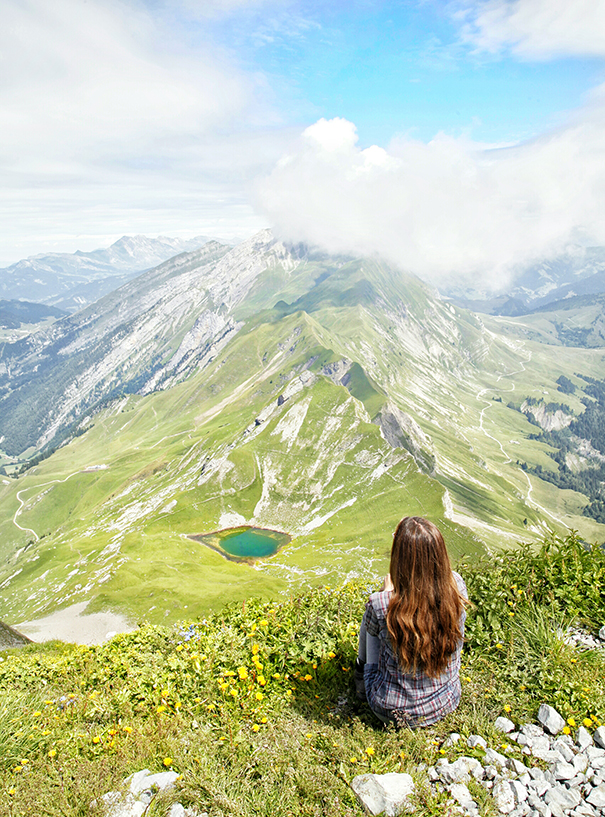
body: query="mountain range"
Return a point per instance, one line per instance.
(280, 387)
(579, 271)
(70, 281)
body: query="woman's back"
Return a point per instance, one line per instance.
(409, 696)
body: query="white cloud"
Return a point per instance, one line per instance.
(536, 29)
(447, 208)
(111, 116)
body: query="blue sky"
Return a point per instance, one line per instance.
(397, 67)
(219, 117)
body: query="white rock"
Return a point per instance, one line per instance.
(564, 771)
(602, 633)
(176, 810)
(596, 797)
(494, 758)
(462, 795)
(476, 740)
(518, 790)
(583, 738)
(460, 770)
(143, 780)
(594, 753)
(562, 797)
(503, 724)
(550, 719)
(584, 809)
(516, 766)
(504, 797)
(384, 792)
(539, 787)
(490, 772)
(599, 736)
(580, 763)
(542, 809)
(452, 739)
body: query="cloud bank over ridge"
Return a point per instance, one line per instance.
(452, 208)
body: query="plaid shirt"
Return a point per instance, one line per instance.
(408, 698)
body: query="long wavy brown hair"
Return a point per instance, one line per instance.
(424, 612)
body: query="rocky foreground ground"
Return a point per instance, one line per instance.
(562, 775)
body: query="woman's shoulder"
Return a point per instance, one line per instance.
(380, 602)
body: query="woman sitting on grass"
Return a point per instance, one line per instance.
(412, 630)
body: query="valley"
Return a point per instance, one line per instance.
(270, 387)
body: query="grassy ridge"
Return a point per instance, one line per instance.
(254, 705)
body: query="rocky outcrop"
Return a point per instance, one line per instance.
(9, 637)
(402, 431)
(547, 420)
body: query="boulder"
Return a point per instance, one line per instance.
(550, 719)
(503, 724)
(599, 736)
(504, 797)
(386, 793)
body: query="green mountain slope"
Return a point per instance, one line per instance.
(345, 396)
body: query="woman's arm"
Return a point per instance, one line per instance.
(387, 584)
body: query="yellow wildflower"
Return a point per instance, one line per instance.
(571, 721)
(506, 708)
(37, 713)
(255, 649)
(167, 761)
(261, 680)
(566, 730)
(308, 677)
(353, 760)
(255, 727)
(264, 623)
(161, 708)
(179, 647)
(331, 655)
(370, 751)
(263, 720)
(96, 739)
(259, 696)
(243, 673)
(587, 723)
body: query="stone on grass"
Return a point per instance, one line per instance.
(462, 795)
(599, 736)
(602, 633)
(476, 740)
(494, 758)
(386, 793)
(176, 810)
(452, 740)
(144, 780)
(460, 770)
(596, 797)
(504, 797)
(503, 724)
(583, 738)
(550, 719)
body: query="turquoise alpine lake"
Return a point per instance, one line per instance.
(245, 543)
